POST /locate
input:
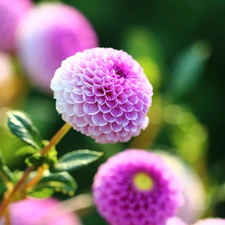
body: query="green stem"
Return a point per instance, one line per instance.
(53, 142)
(56, 138)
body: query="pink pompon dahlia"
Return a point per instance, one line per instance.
(103, 93)
(135, 187)
(211, 221)
(11, 13)
(48, 34)
(175, 221)
(32, 211)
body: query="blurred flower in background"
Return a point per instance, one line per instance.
(48, 34)
(11, 13)
(40, 211)
(175, 221)
(10, 85)
(136, 187)
(193, 188)
(211, 221)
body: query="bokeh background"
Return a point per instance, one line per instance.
(181, 46)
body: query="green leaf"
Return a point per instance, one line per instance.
(5, 172)
(62, 181)
(76, 160)
(5, 176)
(42, 193)
(188, 69)
(25, 150)
(21, 126)
(3, 187)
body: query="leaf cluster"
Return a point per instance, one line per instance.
(56, 175)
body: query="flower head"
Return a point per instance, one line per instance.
(135, 187)
(175, 221)
(48, 34)
(40, 211)
(211, 221)
(194, 205)
(103, 93)
(11, 13)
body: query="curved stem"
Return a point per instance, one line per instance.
(16, 188)
(56, 138)
(36, 179)
(7, 218)
(54, 141)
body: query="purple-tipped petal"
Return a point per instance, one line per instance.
(112, 88)
(135, 187)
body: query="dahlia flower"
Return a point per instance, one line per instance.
(135, 187)
(48, 34)
(194, 205)
(11, 13)
(175, 221)
(103, 93)
(33, 211)
(211, 221)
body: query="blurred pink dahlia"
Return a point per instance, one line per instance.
(48, 34)
(33, 211)
(135, 187)
(175, 221)
(103, 93)
(211, 221)
(194, 205)
(11, 13)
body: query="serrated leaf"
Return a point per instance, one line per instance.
(62, 181)
(188, 69)
(42, 193)
(25, 150)
(21, 126)
(76, 160)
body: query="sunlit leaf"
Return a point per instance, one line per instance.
(188, 68)
(62, 182)
(25, 150)
(21, 126)
(76, 160)
(42, 193)
(5, 172)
